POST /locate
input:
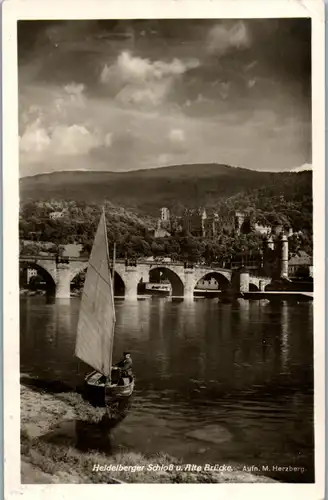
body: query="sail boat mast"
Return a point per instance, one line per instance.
(112, 280)
(108, 260)
(95, 329)
(113, 268)
(96, 325)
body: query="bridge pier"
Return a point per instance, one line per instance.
(131, 281)
(182, 278)
(240, 281)
(262, 285)
(189, 284)
(63, 281)
(244, 281)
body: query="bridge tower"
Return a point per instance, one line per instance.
(284, 256)
(270, 243)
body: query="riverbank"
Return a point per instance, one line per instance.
(54, 448)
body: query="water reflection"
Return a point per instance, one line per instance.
(284, 337)
(51, 326)
(247, 366)
(244, 307)
(235, 345)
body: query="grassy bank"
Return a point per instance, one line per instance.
(54, 447)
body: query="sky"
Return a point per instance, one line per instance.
(129, 95)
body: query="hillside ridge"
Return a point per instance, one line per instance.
(146, 191)
(141, 170)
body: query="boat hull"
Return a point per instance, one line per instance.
(158, 289)
(99, 393)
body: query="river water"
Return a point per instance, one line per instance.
(216, 383)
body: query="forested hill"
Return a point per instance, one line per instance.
(134, 199)
(175, 187)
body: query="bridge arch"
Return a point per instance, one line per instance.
(119, 283)
(223, 281)
(171, 276)
(253, 287)
(43, 273)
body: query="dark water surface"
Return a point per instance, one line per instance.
(216, 383)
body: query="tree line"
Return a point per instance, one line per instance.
(62, 222)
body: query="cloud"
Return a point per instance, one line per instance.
(71, 96)
(74, 140)
(65, 32)
(62, 140)
(177, 135)
(154, 95)
(221, 38)
(30, 117)
(251, 83)
(141, 81)
(58, 123)
(108, 141)
(35, 138)
(224, 89)
(90, 103)
(51, 105)
(250, 66)
(131, 69)
(302, 168)
(164, 159)
(75, 92)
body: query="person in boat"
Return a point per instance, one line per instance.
(125, 365)
(123, 370)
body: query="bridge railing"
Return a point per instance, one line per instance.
(188, 267)
(128, 262)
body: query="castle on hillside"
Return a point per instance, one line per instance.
(273, 258)
(195, 222)
(245, 224)
(164, 225)
(200, 224)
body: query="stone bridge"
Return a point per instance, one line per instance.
(59, 273)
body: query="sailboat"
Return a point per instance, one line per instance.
(96, 327)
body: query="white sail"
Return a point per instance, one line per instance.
(95, 330)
